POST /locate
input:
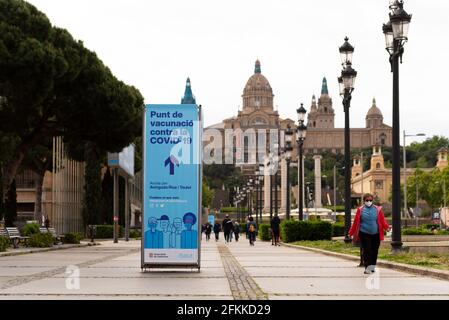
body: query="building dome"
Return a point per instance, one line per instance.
(258, 92)
(374, 111)
(374, 117)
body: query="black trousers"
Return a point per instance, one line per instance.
(370, 247)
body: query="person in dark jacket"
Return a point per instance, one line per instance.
(227, 227)
(217, 229)
(236, 231)
(275, 222)
(252, 230)
(208, 231)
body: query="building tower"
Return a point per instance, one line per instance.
(377, 159)
(356, 167)
(322, 116)
(188, 98)
(442, 159)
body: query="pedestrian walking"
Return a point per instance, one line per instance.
(275, 229)
(208, 231)
(369, 226)
(227, 228)
(236, 231)
(246, 228)
(217, 229)
(252, 230)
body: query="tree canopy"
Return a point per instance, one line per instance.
(50, 84)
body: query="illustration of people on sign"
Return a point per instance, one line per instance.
(189, 237)
(175, 236)
(164, 227)
(153, 237)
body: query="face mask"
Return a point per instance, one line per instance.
(368, 203)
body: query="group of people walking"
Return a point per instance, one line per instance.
(367, 231)
(231, 229)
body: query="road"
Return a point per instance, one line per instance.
(229, 271)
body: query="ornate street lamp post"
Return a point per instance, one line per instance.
(396, 32)
(301, 136)
(256, 182)
(260, 178)
(288, 157)
(346, 84)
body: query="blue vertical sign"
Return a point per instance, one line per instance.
(172, 185)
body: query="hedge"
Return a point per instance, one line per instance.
(233, 209)
(264, 232)
(41, 240)
(430, 226)
(306, 230)
(416, 231)
(106, 231)
(4, 243)
(338, 229)
(339, 208)
(73, 238)
(134, 234)
(30, 228)
(340, 218)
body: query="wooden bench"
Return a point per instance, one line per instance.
(52, 231)
(15, 237)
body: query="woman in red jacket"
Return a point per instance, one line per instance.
(369, 226)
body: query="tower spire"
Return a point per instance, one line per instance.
(188, 95)
(324, 89)
(257, 67)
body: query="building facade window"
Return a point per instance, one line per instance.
(379, 184)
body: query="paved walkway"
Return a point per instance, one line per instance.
(229, 271)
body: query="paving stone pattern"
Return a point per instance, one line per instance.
(243, 286)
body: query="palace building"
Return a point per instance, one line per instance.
(250, 132)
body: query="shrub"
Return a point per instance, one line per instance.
(134, 234)
(430, 226)
(339, 208)
(306, 230)
(106, 231)
(233, 209)
(30, 228)
(73, 238)
(264, 232)
(320, 230)
(338, 229)
(416, 231)
(4, 243)
(289, 230)
(41, 240)
(314, 218)
(340, 218)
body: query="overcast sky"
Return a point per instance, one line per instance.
(156, 45)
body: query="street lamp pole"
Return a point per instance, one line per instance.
(288, 158)
(395, 32)
(301, 136)
(444, 200)
(270, 164)
(346, 84)
(335, 191)
(405, 170)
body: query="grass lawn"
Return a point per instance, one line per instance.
(431, 260)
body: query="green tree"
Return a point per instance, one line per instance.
(107, 189)
(92, 186)
(423, 154)
(207, 195)
(51, 85)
